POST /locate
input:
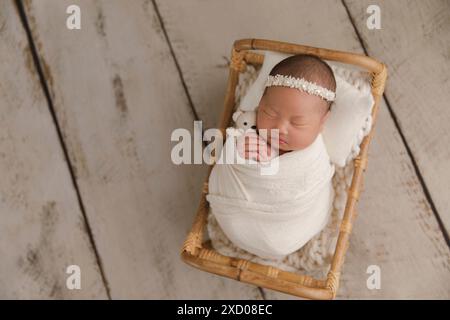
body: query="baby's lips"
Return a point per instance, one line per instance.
(282, 140)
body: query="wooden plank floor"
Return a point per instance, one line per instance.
(86, 172)
(42, 229)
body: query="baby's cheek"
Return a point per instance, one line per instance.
(259, 122)
(302, 141)
(263, 128)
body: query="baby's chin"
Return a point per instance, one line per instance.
(284, 148)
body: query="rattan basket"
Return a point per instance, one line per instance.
(199, 254)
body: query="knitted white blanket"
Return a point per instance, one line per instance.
(272, 216)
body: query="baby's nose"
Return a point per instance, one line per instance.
(282, 130)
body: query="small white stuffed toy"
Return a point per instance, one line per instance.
(245, 120)
(245, 125)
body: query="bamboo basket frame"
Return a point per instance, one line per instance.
(199, 255)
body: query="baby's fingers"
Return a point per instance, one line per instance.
(251, 155)
(253, 147)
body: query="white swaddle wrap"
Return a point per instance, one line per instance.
(272, 216)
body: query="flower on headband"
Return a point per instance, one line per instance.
(301, 84)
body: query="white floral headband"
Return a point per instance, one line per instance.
(301, 84)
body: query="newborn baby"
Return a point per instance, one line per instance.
(275, 215)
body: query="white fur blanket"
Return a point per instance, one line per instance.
(274, 215)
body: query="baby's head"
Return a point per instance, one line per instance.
(298, 115)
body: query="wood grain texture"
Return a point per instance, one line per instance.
(414, 41)
(396, 229)
(118, 97)
(42, 229)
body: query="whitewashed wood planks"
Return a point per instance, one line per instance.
(414, 41)
(118, 97)
(396, 228)
(42, 229)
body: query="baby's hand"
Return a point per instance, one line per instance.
(252, 146)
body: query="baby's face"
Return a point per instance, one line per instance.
(297, 115)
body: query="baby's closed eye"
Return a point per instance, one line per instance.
(299, 125)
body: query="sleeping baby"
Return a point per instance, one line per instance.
(272, 216)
